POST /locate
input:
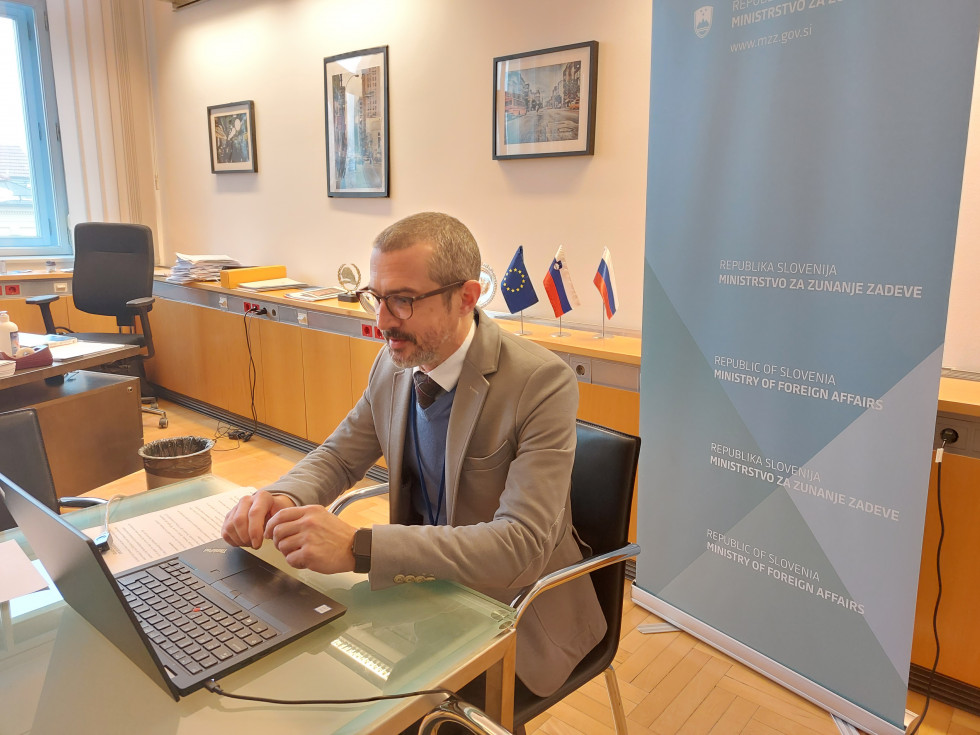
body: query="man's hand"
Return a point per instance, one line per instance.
(311, 537)
(245, 523)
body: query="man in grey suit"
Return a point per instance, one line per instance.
(478, 430)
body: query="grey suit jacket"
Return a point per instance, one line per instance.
(509, 453)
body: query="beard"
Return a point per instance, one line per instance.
(425, 349)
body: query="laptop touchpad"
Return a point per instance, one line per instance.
(253, 586)
(217, 560)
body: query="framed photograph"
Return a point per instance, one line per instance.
(232, 136)
(544, 102)
(355, 93)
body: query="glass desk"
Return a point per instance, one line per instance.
(58, 674)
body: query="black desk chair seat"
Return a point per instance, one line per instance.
(24, 460)
(113, 276)
(603, 475)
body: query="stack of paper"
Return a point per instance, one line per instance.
(199, 267)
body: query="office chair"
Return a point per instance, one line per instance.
(24, 460)
(113, 276)
(603, 475)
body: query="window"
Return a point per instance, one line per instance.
(33, 202)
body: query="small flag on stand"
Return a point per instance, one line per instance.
(605, 281)
(516, 284)
(558, 285)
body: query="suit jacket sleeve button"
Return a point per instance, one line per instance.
(398, 578)
(410, 578)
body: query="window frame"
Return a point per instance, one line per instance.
(44, 149)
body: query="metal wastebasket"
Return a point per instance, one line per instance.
(178, 458)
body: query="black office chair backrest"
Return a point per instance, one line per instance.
(603, 476)
(23, 460)
(113, 265)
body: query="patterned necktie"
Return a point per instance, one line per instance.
(426, 389)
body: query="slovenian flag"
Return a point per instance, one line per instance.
(605, 281)
(516, 284)
(558, 285)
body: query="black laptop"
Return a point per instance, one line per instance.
(185, 619)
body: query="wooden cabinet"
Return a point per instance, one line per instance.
(959, 637)
(280, 379)
(305, 380)
(326, 380)
(91, 426)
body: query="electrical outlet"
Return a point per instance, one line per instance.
(582, 368)
(247, 306)
(11, 289)
(302, 319)
(365, 330)
(61, 287)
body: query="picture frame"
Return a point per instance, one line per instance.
(544, 102)
(355, 94)
(231, 136)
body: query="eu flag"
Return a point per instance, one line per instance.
(516, 284)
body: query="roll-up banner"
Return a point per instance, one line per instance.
(805, 164)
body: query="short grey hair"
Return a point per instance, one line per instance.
(455, 256)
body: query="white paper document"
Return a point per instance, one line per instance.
(63, 353)
(156, 535)
(19, 575)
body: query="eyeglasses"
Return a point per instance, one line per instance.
(401, 307)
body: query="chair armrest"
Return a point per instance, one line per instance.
(463, 714)
(141, 304)
(586, 566)
(73, 502)
(142, 307)
(354, 495)
(44, 304)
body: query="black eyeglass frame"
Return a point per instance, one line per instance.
(409, 301)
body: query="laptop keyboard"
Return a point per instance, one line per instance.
(198, 626)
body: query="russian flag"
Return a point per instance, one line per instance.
(605, 281)
(558, 285)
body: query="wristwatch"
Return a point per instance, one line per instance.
(361, 548)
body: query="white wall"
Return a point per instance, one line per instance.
(440, 65)
(962, 350)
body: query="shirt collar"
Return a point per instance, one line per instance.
(447, 373)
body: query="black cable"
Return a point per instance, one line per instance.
(939, 594)
(223, 431)
(213, 686)
(252, 374)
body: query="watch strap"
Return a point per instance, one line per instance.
(361, 548)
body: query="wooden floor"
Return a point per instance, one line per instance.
(670, 682)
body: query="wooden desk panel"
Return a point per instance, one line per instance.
(281, 378)
(327, 381)
(959, 636)
(181, 349)
(202, 354)
(363, 353)
(91, 426)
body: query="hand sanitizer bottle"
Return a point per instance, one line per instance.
(9, 339)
